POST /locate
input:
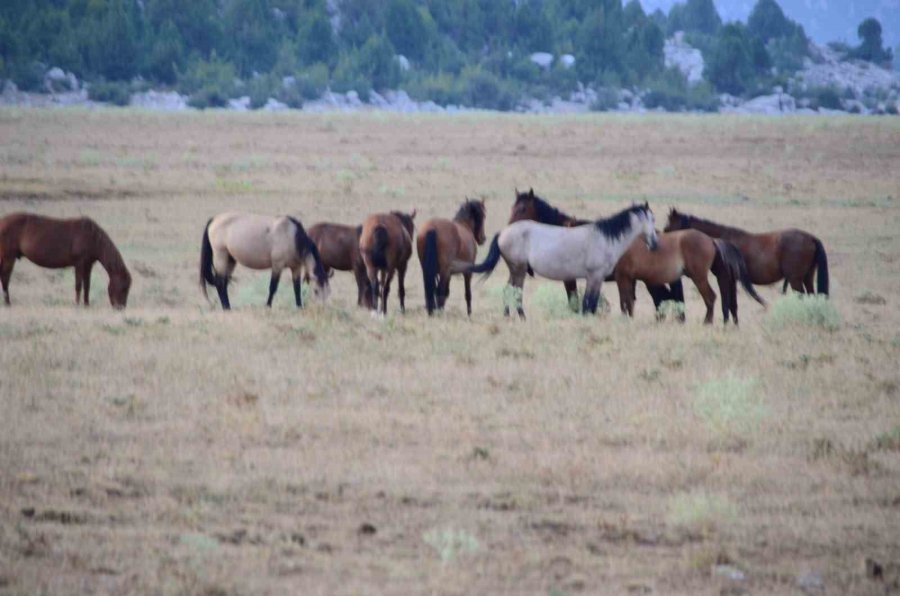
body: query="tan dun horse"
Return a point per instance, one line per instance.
(529, 206)
(793, 255)
(385, 244)
(443, 245)
(258, 242)
(689, 253)
(59, 243)
(338, 246)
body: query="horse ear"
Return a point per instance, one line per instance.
(412, 214)
(530, 193)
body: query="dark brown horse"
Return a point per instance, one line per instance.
(385, 244)
(793, 255)
(442, 244)
(338, 246)
(530, 206)
(58, 243)
(689, 253)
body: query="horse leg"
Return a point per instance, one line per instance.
(517, 281)
(297, 279)
(78, 283)
(386, 290)
(443, 290)
(273, 286)
(676, 290)
(797, 284)
(808, 281)
(6, 268)
(626, 296)
(467, 280)
(591, 296)
(401, 289)
(572, 293)
(86, 283)
(709, 298)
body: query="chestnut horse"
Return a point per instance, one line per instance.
(338, 246)
(689, 253)
(443, 245)
(385, 244)
(793, 255)
(529, 206)
(58, 243)
(258, 242)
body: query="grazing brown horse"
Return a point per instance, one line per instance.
(338, 246)
(58, 243)
(385, 244)
(258, 242)
(689, 253)
(530, 206)
(793, 255)
(442, 245)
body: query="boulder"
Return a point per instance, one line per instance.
(681, 55)
(241, 104)
(353, 99)
(542, 59)
(777, 103)
(402, 61)
(567, 60)
(831, 69)
(166, 101)
(56, 81)
(273, 105)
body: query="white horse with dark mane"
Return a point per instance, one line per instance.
(590, 251)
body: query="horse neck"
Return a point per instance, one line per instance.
(624, 242)
(108, 255)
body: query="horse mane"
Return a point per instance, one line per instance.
(689, 219)
(471, 210)
(548, 214)
(405, 220)
(617, 225)
(107, 252)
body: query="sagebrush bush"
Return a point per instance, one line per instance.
(729, 405)
(804, 309)
(116, 93)
(701, 512)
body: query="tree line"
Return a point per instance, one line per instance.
(465, 52)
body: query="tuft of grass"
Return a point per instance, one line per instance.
(729, 405)
(552, 300)
(799, 309)
(671, 309)
(449, 544)
(700, 512)
(889, 440)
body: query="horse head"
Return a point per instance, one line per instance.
(523, 207)
(119, 286)
(676, 221)
(647, 225)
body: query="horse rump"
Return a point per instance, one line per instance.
(430, 269)
(730, 258)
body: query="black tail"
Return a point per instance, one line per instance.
(381, 237)
(304, 245)
(430, 269)
(737, 266)
(821, 268)
(493, 257)
(207, 275)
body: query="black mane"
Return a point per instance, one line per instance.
(690, 219)
(471, 209)
(548, 214)
(405, 219)
(617, 225)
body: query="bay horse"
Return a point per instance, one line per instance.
(338, 247)
(691, 253)
(590, 251)
(258, 242)
(793, 255)
(444, 246)
(58, 243)
(385, 244)
(530, 206)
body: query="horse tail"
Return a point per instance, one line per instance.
(304, 246)
(207, 275)
(430, 269)
(381, 239)
(821, 268)
(734, 261)
(487, 266)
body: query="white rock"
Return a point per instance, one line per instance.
(777, 103)
(542, 59)
(567, 60)
(55, 74)
(729, 572)
(689, 60)
(166, 101)
(241, 104)
(353, 99)
(273, 105)
(403, 61)
(288, 81)
(377, 99)
(831, 70)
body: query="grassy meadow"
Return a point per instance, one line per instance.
(172, 448)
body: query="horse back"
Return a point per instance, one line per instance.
(338, 244)
(455, 242)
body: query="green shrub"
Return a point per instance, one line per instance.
(116, 93)
(551, 299)
(808, 310)
(729, 405)
(210, 83)
(260, 89)
(483, 89)
(701, 512)
(607, 99)
(312, 82)
(28, 76)
(449, 544)
(672, 92)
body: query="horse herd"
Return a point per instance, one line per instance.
(539, 240)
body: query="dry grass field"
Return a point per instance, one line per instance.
(175, 449)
